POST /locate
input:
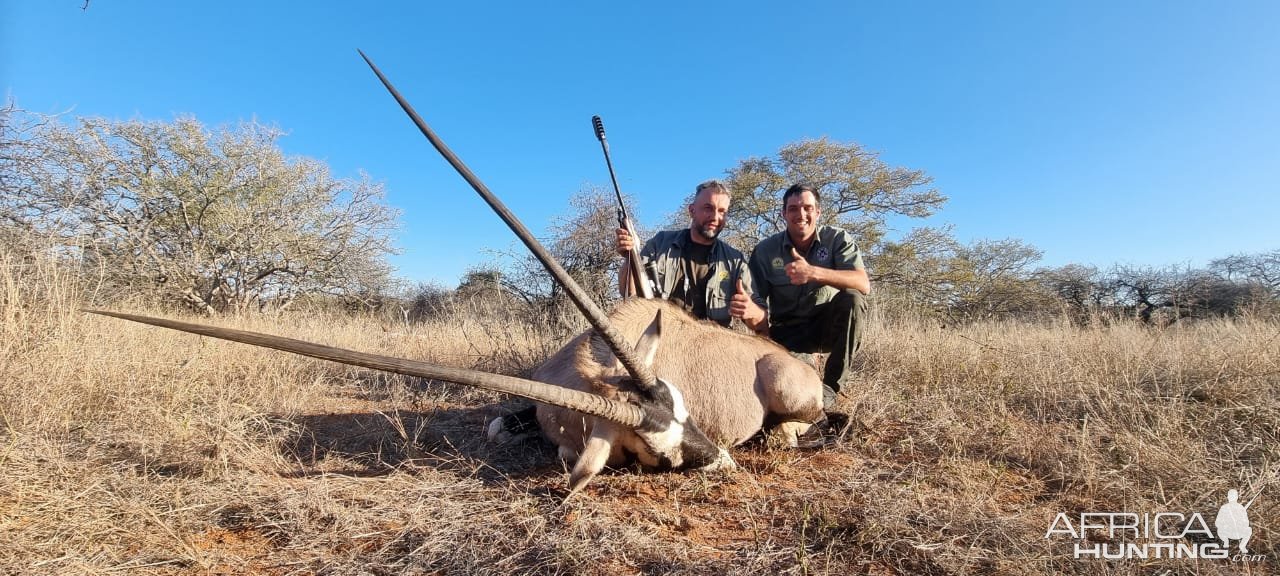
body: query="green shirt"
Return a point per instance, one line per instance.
(668, 261)
(787, 303)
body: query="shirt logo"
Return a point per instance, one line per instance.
(777, 263)
(821, 254)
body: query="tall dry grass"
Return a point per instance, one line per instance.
(133, 449)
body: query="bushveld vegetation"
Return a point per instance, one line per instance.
(992, 396)
(130, 448)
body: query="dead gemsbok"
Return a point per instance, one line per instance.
(685, 392)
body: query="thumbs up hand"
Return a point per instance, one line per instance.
(738, 304)
(741, 306)
(799, 270)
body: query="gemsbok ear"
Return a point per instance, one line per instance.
(647, 346)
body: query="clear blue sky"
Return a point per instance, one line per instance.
(1101, 132)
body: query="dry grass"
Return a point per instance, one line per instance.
(133, 449)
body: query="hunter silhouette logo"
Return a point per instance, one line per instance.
(1128, 535)
(1232, 522)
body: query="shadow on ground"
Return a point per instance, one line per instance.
(446, 438)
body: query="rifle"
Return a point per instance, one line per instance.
(638, 276)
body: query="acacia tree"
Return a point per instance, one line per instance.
(17, 130)
(914, 275)
(1080, 291)
(1262, 269)
(582, 240)
(859, 191)
(930, 272)
(214, 219)
(995, 280)
(1166, 295)
(584, 243)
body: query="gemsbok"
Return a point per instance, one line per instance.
(676, 400)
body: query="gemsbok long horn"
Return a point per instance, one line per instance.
(644, 378)
(615, 411)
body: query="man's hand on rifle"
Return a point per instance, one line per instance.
(625, 243)
(741, 306)
(626, 279)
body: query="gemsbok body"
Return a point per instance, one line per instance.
(723, 385)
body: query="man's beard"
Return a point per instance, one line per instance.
(709, 232)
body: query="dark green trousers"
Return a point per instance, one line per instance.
(835, 327)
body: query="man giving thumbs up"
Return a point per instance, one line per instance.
(812, 278)
(742, 306)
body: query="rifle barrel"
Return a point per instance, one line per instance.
(633, 258)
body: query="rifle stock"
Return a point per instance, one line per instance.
(639, 278)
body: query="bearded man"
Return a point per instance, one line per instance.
(693, 267)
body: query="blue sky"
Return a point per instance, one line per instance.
(1100, 132)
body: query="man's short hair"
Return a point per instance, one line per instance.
(798, 189)
(716, 187)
